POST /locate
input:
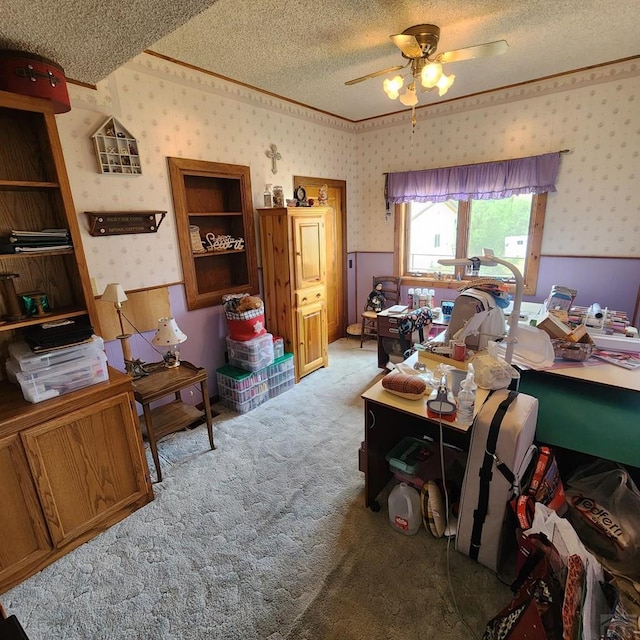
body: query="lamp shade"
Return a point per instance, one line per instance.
(168, 334)
(114, 293)
(392, 86)
(444, 84)
(409, 97)
(431, 74)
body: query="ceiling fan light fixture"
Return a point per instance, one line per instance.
(431, 74)
(444, 83)
(409, 97)
(392, 86)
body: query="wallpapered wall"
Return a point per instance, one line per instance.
(174, 111)
(594, 113)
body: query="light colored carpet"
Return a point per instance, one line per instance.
(265, 538)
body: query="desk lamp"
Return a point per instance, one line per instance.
(115, 293)
(169, 335)
(490, 260)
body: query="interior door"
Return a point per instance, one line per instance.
(336, 252)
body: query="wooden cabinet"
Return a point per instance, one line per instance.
(214, 222)
(293, 245)
(24, 538)
(70, 467)
(73, 465)
(35, 195)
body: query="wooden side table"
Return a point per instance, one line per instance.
(174, 416)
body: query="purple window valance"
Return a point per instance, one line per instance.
(483, 181)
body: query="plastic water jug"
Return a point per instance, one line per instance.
(404, 509)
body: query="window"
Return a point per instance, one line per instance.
(429, 231)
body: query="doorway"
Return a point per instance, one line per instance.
(336, 249)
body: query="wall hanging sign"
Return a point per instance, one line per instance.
(116, 149)
(118, 223)
(223, 243)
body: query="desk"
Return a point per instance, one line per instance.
(590, 409)
(389, 418)
(176, 415)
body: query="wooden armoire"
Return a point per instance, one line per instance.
(293, 247)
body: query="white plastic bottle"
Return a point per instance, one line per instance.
(410, 294)
(467, 398)
(404, 509)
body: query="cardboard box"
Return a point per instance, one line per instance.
(550, 323)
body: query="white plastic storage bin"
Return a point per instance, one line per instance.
(63, 378)
(252, 355)
(281, 375)
(239, 380)
(248, 405)
(276, 390)
(27, 360)
(230, 393)
(278, 347)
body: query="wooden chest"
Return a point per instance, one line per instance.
(31, 75)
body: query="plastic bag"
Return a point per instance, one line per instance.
(536, 609)
(492, 373)
(564, 537)
(604, 508)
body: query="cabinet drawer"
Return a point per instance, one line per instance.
(388, 326)
(307, 296)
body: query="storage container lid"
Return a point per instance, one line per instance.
(283, 358)
(233, 372)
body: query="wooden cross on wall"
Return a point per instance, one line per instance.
(274, 154)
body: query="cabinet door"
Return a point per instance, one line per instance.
(309, 246)
(24, 540)
(312, 338)
(87, 466)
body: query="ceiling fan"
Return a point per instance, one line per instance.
(418, 44)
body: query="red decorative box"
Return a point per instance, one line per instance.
(31, 75)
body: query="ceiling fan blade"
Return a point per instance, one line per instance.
(479, 51)
(408, 45)
(375, 74)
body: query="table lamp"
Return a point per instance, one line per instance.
(115, 293)
(169, 335)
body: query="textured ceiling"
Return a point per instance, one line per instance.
(305, 50)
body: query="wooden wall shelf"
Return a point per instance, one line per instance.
(212, 199)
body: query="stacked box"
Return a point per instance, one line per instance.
(251, 355)
(24, 359)
(281, 375)
(52, 373)
(278, 347)
(49, 382)
(242, 390)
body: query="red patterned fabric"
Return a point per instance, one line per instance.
(404, 384)
(572, 603)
